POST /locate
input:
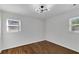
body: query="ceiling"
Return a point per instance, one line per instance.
(27, 9)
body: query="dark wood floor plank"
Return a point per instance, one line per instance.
(43, 47)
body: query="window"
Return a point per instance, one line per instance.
(13, 25)
(74, 24)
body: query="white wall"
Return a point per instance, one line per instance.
(32, 31)
(0, 30)
(57, 30)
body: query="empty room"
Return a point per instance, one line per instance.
(39, 28)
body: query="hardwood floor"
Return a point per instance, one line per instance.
(43, 47)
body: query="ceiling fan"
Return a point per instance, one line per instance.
(42, 8)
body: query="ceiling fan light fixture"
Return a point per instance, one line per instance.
(41, 8)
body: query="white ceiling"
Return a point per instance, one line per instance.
(27, 9)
